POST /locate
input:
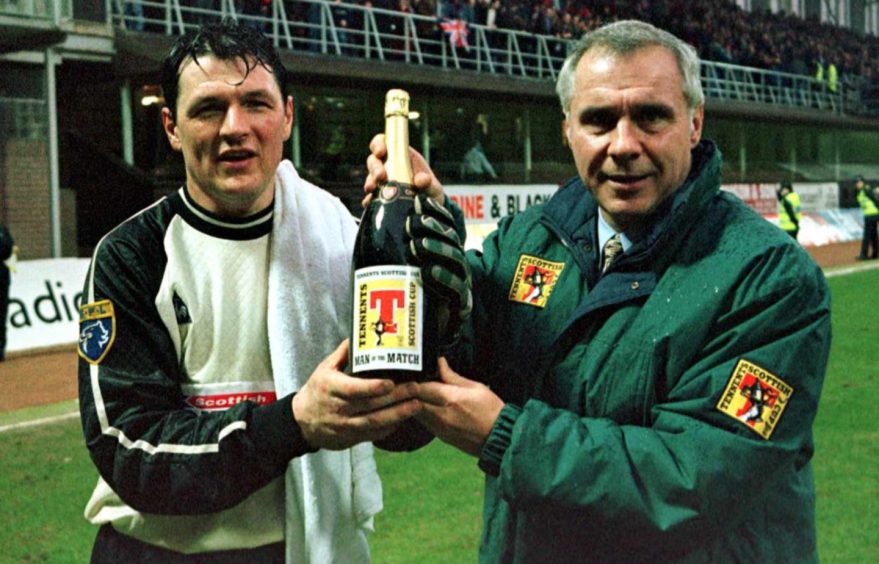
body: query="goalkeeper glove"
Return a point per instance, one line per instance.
(437, 248)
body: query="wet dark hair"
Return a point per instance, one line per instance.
(227, 40)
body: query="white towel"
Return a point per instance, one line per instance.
(332, 496)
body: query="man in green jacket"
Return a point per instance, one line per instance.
(654, 400)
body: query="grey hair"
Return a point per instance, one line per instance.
(626, 37)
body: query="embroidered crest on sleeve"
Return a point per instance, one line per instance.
(534, 280)
(755, 397)
(97, 330)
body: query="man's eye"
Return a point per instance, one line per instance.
(652, 117)
(206, 111)
(597, 123)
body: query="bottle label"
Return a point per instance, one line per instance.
(388, 318)
(392, 190)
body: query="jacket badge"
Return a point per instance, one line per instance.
(97, 330)
(755, 397)
(534, 280)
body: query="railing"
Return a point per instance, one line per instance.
(731, 82)
(23, 118)
(866, 93)
(357, 31)
(348, 30)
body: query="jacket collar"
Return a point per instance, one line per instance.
(573, 205)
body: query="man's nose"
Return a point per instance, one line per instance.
(235, 122)
(625, 141)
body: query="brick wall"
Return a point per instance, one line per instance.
(24, 187)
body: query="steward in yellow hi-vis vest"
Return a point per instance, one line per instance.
(789, 209)
(868, 199)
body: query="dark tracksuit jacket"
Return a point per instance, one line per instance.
(661, 412)
(175, 386)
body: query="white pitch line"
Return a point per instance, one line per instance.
(38, 422)
(852, 269)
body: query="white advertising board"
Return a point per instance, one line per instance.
(44, 300)
(814, 197)
(484, 205)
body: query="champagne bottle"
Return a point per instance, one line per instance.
(395, 328)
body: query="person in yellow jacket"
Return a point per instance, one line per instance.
(868, 199)
(832, 78)
(788, 209)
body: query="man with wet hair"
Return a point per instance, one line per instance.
(204, 316)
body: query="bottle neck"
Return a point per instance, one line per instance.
(398, 165)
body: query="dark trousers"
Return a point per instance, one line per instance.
(4, 308)
(112, 547)
(871, 239)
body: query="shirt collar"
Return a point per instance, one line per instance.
(605, 232)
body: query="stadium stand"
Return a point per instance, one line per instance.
(63, 62)
(719, 29)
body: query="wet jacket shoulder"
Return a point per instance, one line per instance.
(662, 411)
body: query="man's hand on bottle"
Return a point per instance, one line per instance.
(435, 245)
(423, 178)
(460, 411)
(336, 411)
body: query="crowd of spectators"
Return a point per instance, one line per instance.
(719, 29)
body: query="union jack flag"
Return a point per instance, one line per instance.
(457, 32)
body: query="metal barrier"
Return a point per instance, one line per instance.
(363, 32)
(349, 30)
(731, 82)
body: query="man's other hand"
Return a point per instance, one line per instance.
(336, 411)
(459, 411)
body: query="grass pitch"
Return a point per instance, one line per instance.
(433, 497)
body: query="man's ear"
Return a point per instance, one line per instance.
(288, 117)
(566, 131)
(696, 121)
(170, 128)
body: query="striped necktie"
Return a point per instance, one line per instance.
(612, 250)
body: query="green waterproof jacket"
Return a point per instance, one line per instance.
(662, 412)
